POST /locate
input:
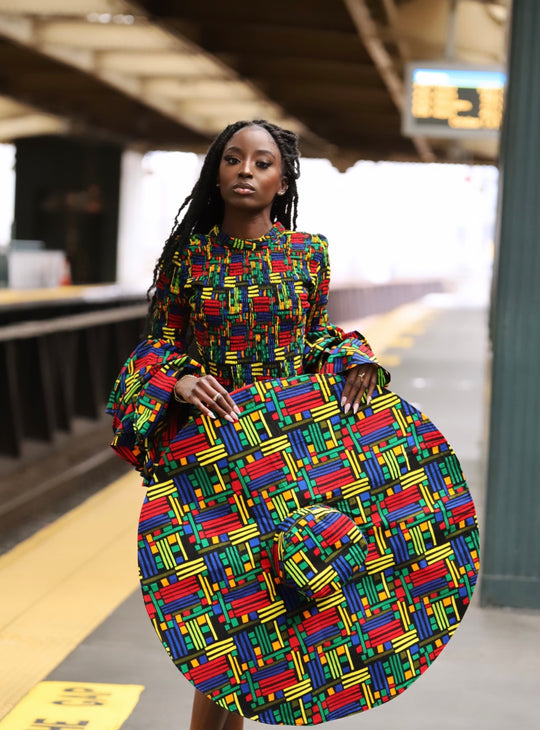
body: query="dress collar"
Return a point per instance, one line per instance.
(248, 243)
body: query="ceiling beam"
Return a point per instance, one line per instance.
(31, 125)
(143, 60)
(367, 30)
(159, 64)
(22, 120)
(393, 21)
(55, 7)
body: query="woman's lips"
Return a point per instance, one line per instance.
(243, 189)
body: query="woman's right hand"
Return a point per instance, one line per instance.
(206, 394)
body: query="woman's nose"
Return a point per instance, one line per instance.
(245, 169)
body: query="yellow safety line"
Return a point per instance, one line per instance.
(25, 296)
(62, 582)
(391, 329)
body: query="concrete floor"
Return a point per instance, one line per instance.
(488, 676)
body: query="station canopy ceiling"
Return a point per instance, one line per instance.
(170, 74)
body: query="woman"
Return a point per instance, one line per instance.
(235, 280)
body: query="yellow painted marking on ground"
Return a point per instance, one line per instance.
(62, 582)
(25, 296)
(404, 342)
(381, 330)
(66, 705)
(417, 329)
(394, 329)
(390, 361)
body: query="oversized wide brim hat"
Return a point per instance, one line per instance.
(300, 564)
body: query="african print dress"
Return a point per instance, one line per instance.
(257, 309)
(300, 564)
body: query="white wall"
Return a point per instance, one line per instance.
(400, 220)
(152, 189)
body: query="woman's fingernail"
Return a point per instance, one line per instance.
(211, 415)
(347, 408)
(229, 418)
(343, 400)
(355, 408)
(237, 410)
(368, 400)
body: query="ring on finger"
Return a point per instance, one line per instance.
(217, 396)
(360, 375)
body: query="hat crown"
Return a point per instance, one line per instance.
(317, 550)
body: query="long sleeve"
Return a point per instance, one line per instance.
(141, 400)
(328, 349)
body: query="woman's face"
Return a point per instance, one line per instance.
(250, 172)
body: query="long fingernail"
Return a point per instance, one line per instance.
(343, 401)
(211, 415)
(355, 408)
(229, 418)
(347, 408)
(237, 410)
(368, 400)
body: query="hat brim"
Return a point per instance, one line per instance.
(207, 527)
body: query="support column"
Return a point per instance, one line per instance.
(66, 195)
(511, 551)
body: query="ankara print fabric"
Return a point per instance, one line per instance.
(257, 310)
(368, 623)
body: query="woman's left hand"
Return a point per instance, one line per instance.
(361, 380)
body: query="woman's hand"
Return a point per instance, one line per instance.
(361, 380)
(206, 394)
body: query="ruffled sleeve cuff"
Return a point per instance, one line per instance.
(351, 351)
(142, 395)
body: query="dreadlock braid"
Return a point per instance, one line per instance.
(205, 205)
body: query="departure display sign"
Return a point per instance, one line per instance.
(446, 101)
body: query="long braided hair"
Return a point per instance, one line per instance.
(205, 205)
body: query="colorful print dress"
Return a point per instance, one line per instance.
(257, 309)
(300, 564)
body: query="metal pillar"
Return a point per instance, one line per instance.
(511, 553)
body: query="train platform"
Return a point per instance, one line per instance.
(77, 649)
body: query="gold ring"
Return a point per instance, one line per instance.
(360, 375)
(217, 395)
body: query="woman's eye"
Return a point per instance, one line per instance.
(263, 165)
(231, 160)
